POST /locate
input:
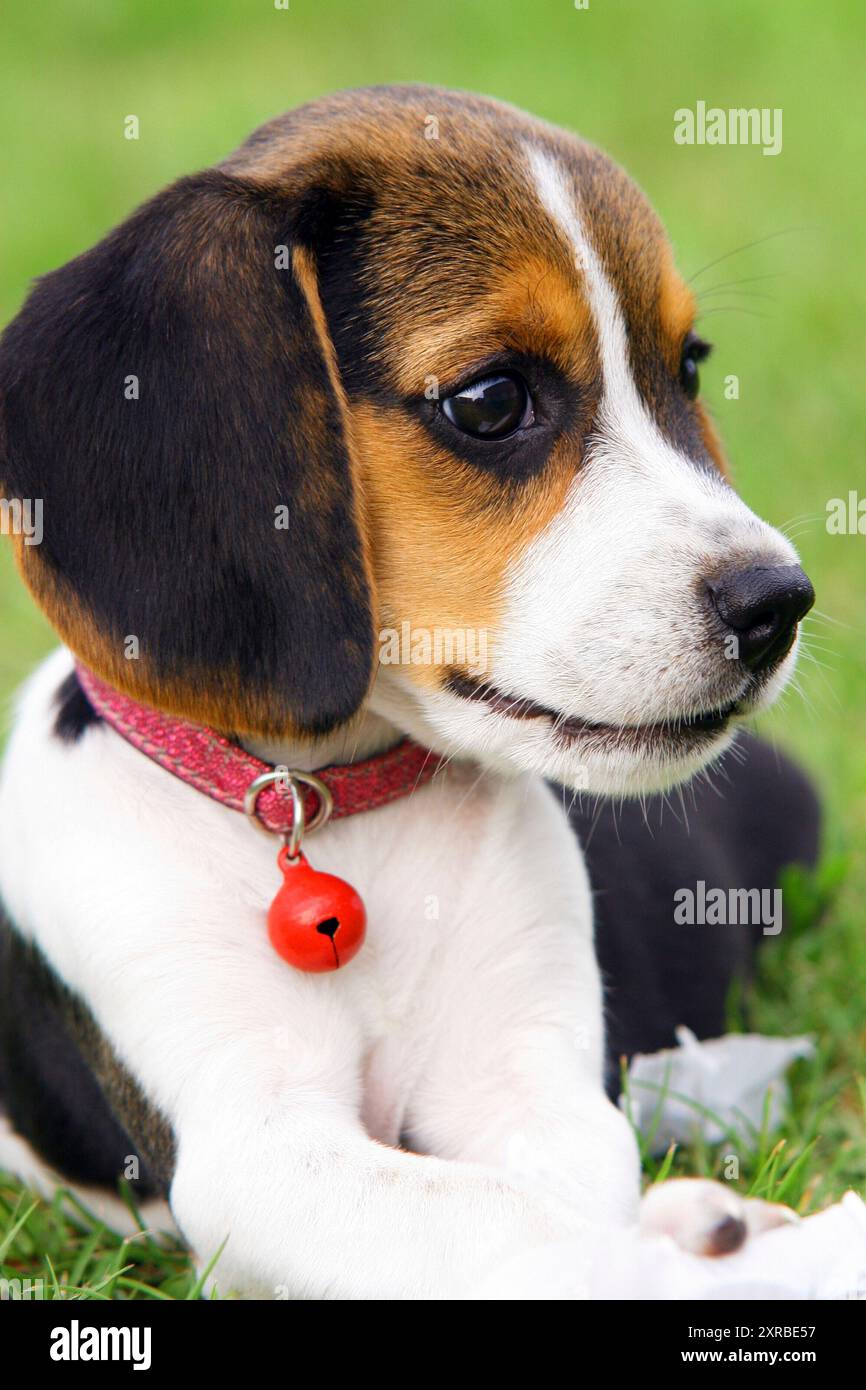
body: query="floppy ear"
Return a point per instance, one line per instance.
(172, 398)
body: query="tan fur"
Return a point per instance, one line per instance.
(442, 536)
(534, 307)
(676, 307)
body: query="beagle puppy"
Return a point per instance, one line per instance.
(409, 361)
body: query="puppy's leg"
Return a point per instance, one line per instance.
(510, 1024)
(310, 1207)
(516, 1080)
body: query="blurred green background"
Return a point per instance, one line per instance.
(785, 308)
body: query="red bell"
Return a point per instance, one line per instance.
(317, 921)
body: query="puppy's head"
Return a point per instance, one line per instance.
(399, 406)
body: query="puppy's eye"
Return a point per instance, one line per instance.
(694, 351)
(492, 407)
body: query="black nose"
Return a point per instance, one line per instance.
(762, 607)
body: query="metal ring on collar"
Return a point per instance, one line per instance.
(295, 834)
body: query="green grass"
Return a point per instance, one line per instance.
(202, 74)
(58, 1249)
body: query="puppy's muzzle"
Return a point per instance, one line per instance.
(762, 606)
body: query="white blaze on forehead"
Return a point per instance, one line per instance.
(625, 433)
(622, 412)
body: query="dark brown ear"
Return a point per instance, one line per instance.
(171, 397)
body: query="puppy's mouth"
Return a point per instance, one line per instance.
(682, 734)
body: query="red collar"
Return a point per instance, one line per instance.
(214, 765)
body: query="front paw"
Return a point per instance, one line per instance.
(707, 1218)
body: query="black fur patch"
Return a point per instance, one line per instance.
(75, 714)
(62, 1086)
(159, 512)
